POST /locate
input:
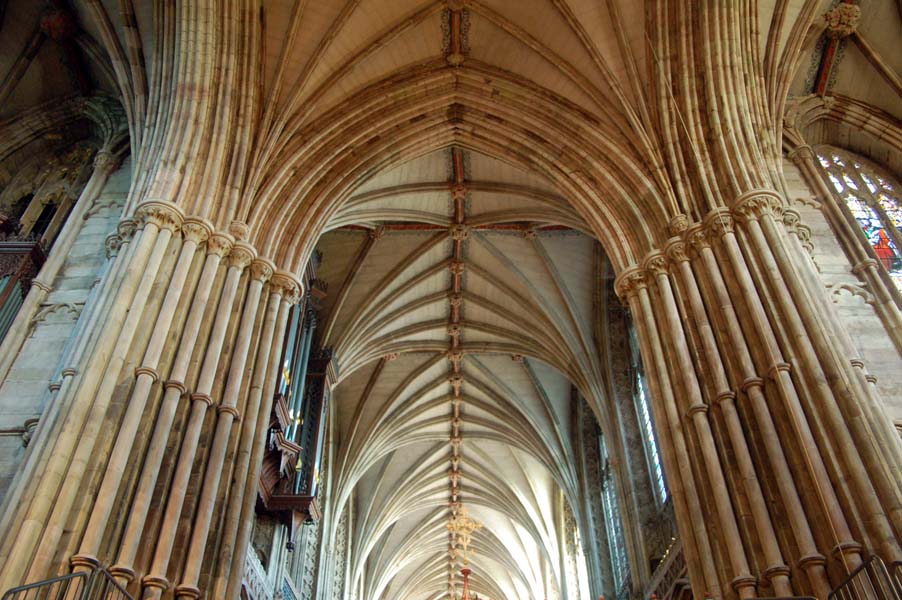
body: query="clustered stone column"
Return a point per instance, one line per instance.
(781, 462)
(182, 310)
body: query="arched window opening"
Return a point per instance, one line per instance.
(620, 568)
(646, 422)
(874, 199)
(656, 469)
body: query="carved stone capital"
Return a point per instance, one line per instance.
(197, 230)
(164, 215)
(220, 244)
(262, 269)
(656, 264)
(240, 230)
(756, 204)
(697, 238)
(842, 21)
(242, 255)
(105, 161)
(718, 223)
(629, 282)
(126, 229)
(675, 250)
(286, 284)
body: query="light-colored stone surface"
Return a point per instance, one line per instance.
(24, 393)
(851, 296)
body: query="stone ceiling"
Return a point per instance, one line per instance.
(456, 279)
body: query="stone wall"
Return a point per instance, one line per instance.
(850, 295)
(25, 392)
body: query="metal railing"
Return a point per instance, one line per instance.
(97, 585)
(870, 581)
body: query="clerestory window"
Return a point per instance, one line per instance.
(874, 199)
(613, 521)
(651, 442)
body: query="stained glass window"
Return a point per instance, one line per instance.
(613, 520)
(651, 442)
(875, 201)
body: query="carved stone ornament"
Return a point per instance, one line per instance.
(697, 238)
(241, 231)
(454, 330)
(459, 232)
(530, 233)
(161, 214)
(457, 267)
(518, 358)
(377, 233)
(104, 161)
(791, 218)
(456, 300)
(676, 251)
(220, 244)
(241, 255)
(391, 356)
(262, 269)
(843, 20)
(758, 203)
(459, 191)
(456, 382)
(455, 59)
(112, 244)
(285, 284)
(656, 264)
(719, 223)
(678, 224)
(126, 229)
(196, 230)
(630, 282)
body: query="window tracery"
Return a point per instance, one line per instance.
(874, 199)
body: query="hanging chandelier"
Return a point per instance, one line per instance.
(462, 527)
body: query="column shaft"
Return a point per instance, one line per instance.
(225, 419)
(174, 390)
(236, 572)
(251, 428)
(156, 581)
(743, 582)
(147, 375)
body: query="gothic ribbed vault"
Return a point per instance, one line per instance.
(523, 340)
